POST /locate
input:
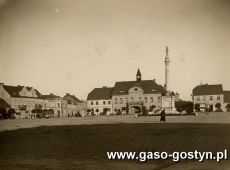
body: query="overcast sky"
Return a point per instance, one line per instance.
(74, 46)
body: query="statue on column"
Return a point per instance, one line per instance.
(167, 50)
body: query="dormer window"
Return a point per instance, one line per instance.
(122, 91)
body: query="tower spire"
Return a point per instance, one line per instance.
(138, 76)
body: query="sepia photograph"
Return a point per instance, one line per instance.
(114, 84)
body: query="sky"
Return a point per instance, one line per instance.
(74, 46)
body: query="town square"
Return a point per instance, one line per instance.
(111, 84)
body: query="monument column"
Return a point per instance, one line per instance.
(167, 61)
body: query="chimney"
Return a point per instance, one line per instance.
(104, 87)
(154, 80)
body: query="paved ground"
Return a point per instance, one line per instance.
(27, 123)
(51, 142)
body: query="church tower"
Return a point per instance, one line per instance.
(167, 61)
(138, 76)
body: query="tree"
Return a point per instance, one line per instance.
(184, 106)
(51, 112)
(92, 112)
(218, 107)
(118, 112)
(152, 107)
(97, 110)
(105, 110)
(197, 107)
(11, 113)
(144, 113)
(127, 108)
(78, 114)
(123, 109)
(228, 107)
(3, 113)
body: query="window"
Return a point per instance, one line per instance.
(159, 98)
(104, 102)
(198, 98)
(139, 99)
(204, 98)
(58, 104)
(210, 98)
(146, 99)
(92, 103)
(115, 100)
(136, 89)
(96, 102)
(132, 99)
(218, 97)
(109, 102)
(121, 100)
(151, 99)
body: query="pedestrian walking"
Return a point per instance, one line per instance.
(162, 119)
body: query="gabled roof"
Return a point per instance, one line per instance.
(73, 98)
(149, 87)
(206, 89)
(100, 93)
(4, 104)
(14, 91)
(226, 96)
(50, 96)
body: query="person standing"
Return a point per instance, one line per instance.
(162, 119)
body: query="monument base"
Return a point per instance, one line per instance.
(168, 103)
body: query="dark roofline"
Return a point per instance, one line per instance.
(207, 89)
(146, 85)
(4, 104)
(50, 96)
(13, 91)
(74, 97)
(97, 94)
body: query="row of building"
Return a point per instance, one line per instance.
(26, 99)
(127, 97)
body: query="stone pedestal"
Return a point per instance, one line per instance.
(168, 103)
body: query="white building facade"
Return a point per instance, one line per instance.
(206, 97)
(99, 101)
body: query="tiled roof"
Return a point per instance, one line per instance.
(206, 89)
(28, 88)
(149, 87)
(14, 91)
(4, 104)
(50, 96)
(100, 93)
(226, 96)
(73, 97)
